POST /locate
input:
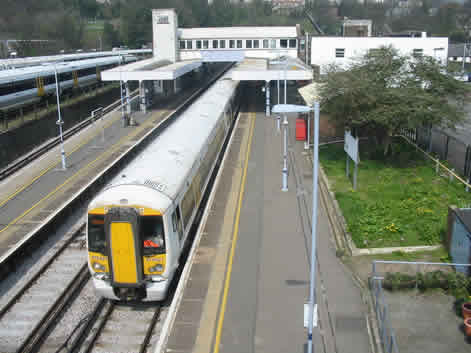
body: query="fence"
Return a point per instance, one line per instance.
(446, 147)
(386, 331)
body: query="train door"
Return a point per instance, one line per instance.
(75, 76)
(40, 86)
(122, 233)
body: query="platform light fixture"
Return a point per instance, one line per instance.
(291, 108)
(59, 121)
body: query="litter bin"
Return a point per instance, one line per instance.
(300, 129)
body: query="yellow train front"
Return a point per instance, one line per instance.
(128, 252)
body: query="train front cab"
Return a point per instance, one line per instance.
(128, 253)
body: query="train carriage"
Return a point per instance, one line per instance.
(138, 225)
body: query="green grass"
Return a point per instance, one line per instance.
(398, 202)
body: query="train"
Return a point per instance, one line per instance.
(28, 85)
(139, 223)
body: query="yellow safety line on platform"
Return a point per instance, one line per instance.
(222, 310)
(51, 166)
(81, 171)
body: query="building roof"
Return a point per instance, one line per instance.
(150, 69)
(248, 32)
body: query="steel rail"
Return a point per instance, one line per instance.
(150, 329)
(50, 319)
(39, 273)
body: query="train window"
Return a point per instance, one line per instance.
(187, 205)
(256, 43)
(182, 44)
(215, 44)
(265, 43)
(272, 43)
(248, 44)
(232, 43)
(177, 223)
(340, 52)
(222, 44)
(198, 44)
(205, 44)
(189, 44)
(239, 43)
(151, 229)
(292, 43)
(283, 43)
(96, 233)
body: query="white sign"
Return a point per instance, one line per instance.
(306, 315)
(351, 146)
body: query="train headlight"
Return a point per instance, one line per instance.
(98, 267)
(100, 275)
(156, 268)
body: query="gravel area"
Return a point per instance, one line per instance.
(82, 306)
(24, 315)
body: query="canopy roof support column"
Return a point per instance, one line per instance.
(267, 97)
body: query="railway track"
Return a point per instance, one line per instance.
(115, 327)
(29, 315)
(36, 153)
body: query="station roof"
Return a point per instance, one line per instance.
(248, 32)
(271, 70)
(150, 69)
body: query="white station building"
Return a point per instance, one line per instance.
(262, 54)
(343, 51)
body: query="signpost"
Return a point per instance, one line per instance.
(351, 147)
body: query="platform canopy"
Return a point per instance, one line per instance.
(281, 68)
(150, 70)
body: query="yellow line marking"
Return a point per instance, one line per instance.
(80, 172)
(51, 166)
(222, 311)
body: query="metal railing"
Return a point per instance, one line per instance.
(386, 331)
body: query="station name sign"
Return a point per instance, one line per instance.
(162, 20)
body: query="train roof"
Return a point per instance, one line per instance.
(38, 60)
(165, 164)
(31, 72)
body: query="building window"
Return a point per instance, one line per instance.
(248, 44)
(417, 52)
(292, 43)
(265, 43)
(374, 52)
(283, 43)
(189, 44)
(205, 44)
(239, 43)
(215, 44)
(222, 44)
(182, 44)
(198, 44)
(232, 43)
(340, 52)
(272, 43)
(256, 43)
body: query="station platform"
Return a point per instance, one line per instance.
(39, 190)
(250, 276)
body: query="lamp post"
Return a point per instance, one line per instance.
(123, 118)
(290, 108)
(59, 121)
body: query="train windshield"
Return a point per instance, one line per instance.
(151, 229)
(96, 233)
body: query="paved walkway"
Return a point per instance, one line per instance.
(260, 309)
